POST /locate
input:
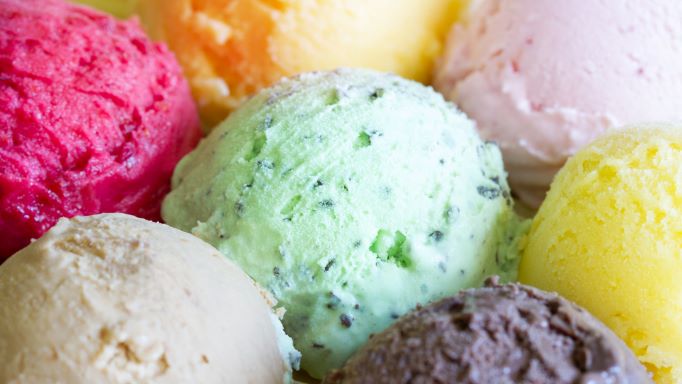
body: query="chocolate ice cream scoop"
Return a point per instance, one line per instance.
(495, 334)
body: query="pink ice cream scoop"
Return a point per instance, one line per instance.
(93, 118)
(543, 78)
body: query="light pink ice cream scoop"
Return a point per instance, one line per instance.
(543, 78)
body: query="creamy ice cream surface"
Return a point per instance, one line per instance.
(502, 334)
(543, 78)
(351, 195)
(230, 49)
(116, 299)
(609, 237)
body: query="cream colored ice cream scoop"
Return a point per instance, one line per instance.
(116, 299)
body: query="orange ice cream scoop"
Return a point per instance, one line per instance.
(232, 48)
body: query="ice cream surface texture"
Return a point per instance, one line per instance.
(609, 237)
(116, 299)
(502, 334)
(119, 8)
(351, 196)
(543, 78)
(93, 118)
(230, 49)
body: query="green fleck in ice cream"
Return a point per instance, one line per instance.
(352, 196)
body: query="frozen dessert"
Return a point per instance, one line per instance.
(609, 237)
(116, 299)
(497, 334)
(93, 118)
(119, 8)
(543, 78)
(230, 49)
(352, 196)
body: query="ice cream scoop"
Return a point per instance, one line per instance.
(93, 118)
(544, 78)
(230, 49)
(609, 237)
(497, 334)
(351, 195)
(116, 299)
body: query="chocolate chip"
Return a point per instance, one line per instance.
(334, 301)
(379, 92)
(489, 193)
(436, 235)
(346, 320)
(239, 209)
(265, 164)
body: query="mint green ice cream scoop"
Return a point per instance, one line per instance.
(352, 196)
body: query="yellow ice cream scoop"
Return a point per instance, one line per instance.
(609, 237)
(232, 48)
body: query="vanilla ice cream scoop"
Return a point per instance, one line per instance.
(116, 299)
(543, 78)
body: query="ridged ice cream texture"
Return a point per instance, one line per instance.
(609, 237)
(230, 49)
(544, 78)
(116, 299)
(352, 196)
(94, 117)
